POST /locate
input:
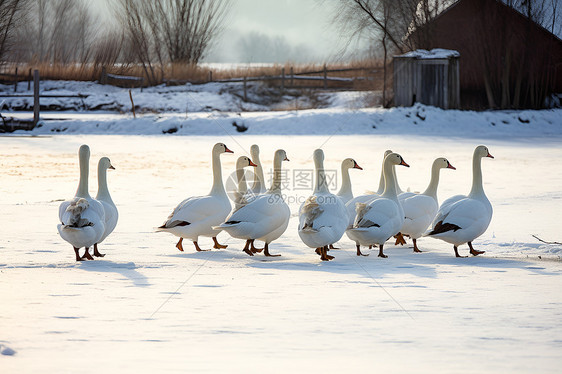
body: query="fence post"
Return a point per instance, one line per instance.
(292, 74)
(282, 80)
(325, 77)
(16, 81)
(29, 80)
(103, 77)
(132, 103)
(245, 91)
(210, 75)
(35, 97)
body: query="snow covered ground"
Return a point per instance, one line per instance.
(146, 307)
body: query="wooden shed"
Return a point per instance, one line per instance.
(427, 77)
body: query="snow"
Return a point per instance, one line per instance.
(146, 307)
(436, 53)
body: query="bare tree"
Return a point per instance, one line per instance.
(11, 13)
(177, 31)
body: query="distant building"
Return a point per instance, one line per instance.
(427, 77)
(507, 60)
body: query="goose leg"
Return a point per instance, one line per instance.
(179, 245)
(399, 239)
(96, 252)
(87, 254)
(328, 257)
(266, 251)
(473, 251)
(78, 258)
(319, 251)
(359, 251)
(217, 245)
(332, 247)
(247, 248)
(198, 249)
(254, 249)
(380, 252)
(457, 252)
(416, 249)
(323, 255)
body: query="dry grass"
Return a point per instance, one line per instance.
(367, 74)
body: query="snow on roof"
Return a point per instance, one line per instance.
(433, 54)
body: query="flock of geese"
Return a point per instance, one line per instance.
(261, 214)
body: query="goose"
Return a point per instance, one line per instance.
(241, 195)
(322, 217)
(420, 209)
(351, 204)
(196, 216)
(82, 218)
(103, 196)
(463, 218)
(382, 217)
(265, 218)
(345, 193)
(258, 185)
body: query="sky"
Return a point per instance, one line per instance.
(275, 31)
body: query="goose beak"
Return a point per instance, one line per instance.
(356, 166)
(449, 166)
(227, 150)
(252, 164)
(404, 163)
(286, 159)
(111, 167)
(489, 155)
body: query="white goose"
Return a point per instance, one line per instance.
(463, 218)
(351, 205)
(241, 197)
(196, 216)
(265, 218)
(258, 185)
(420, 209)
(346, 193)
(322, 217)
(103, 196)
(382, 217)
(82, 218)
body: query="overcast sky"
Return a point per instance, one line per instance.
(275, 31)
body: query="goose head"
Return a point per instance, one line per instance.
(482, 151)
(105, 164)
(395, 159)
(84, 152)
(281, 155)
(244, 161)
(221, 148)
(443, 163)
(350, 163)
(318, 157)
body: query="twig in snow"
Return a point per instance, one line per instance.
(543, 241)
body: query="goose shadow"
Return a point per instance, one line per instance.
(127, 269)
(401, 260)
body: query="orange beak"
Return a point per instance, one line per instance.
(404, 163)
(111, 167)
(286, 159)
(449, 166)
(227, 150)
(489, 155)
(252, 164)
(357, 166)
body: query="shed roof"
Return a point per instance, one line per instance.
(436, 53)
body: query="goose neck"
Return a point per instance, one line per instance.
(477, 188)
(218, 186)
(257, 184)
(345, 181)
(241, 177)
(82, 190)
(103, 191)
(431, 189)
(390, 186)
(277, 177)
(321, 185)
